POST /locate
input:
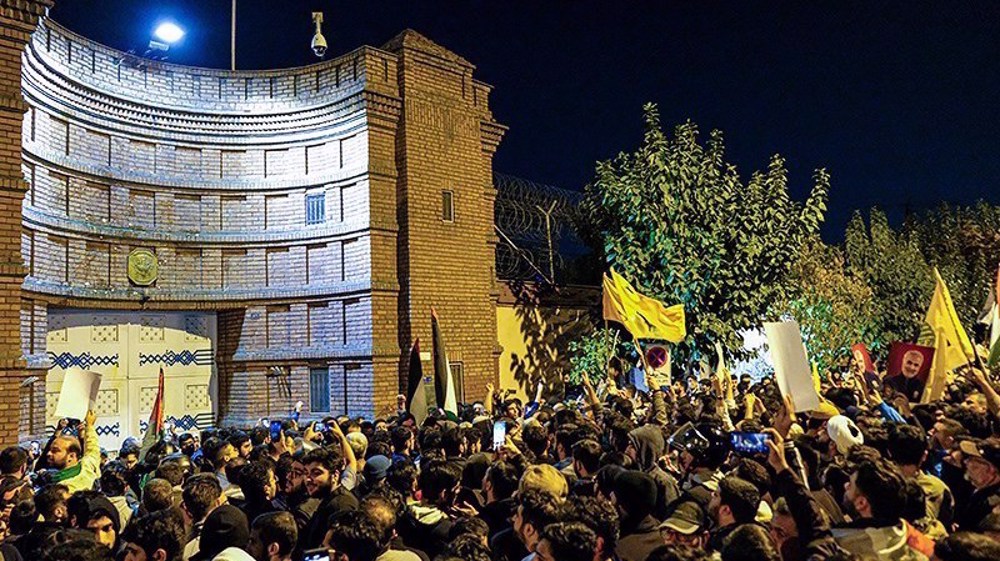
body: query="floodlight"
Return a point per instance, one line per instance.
(169, 32)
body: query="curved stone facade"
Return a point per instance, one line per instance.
(303, 206)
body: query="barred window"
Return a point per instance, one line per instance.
(319, 390)
(316, 208)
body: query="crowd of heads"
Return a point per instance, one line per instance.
(691, 470)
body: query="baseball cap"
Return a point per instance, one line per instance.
(686, 519)
(988, 449)
(844, 433)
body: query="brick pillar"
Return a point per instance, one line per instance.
(18, 19)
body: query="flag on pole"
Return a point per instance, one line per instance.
(938, 376)
(952, 343)
(644, 317)
(990, 317)
(416, 393)
(444, 383)
(154, 430)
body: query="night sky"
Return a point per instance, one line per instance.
(899, 100)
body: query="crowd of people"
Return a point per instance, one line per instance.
(698, 469)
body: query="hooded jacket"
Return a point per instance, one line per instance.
(425, 527)
(649, 445)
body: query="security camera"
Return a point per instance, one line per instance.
(318, 41)
(319, 45)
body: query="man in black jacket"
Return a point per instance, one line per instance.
(734, 504)
(323, 469)
(981, 459)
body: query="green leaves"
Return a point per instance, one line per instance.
(675, 218)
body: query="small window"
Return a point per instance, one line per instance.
(319, 390)
(448, 206)
(316, 208)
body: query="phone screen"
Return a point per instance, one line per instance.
(320, 554)
(275, 431)
(749, 442)
(499, 434)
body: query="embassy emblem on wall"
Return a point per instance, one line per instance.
(143, 267)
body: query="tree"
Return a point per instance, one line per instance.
(964, 244)
(832, 305)
(676, 220)
(894, 268)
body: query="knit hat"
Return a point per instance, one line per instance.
(376, 468)
(226, 526)
(635, 492)
(844, 433)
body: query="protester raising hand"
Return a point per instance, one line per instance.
(785, 417)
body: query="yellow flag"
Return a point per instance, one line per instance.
(644, 317)
(936, 380)
(952, 344)
(816, 381)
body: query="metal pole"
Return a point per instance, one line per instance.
(232, 44)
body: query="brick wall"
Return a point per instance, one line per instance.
(211, 170)
(18, 19)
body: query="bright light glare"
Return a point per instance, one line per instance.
(169, 32)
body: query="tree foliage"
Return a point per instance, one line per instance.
(964, 244)
(676, 219)
(832, 304)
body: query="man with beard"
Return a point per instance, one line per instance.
(537, 509)
(273, 537)
(874, 498)
(50, 504)
(908, 381)
(322, 481)
(981, 459)
(90, 510)
(300, 504)
(78, 468)
(735, 503)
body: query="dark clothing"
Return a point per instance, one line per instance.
(31, 544)
(497, 514)
(979, 506)
(338, 502)
(583, 487)
(637, 543)
(912, 388)
(253, 509)
(815, 537)
(649, 444)
(302, 507)
(9, 553)
(506, 547)
(425, 528)
(717, 538)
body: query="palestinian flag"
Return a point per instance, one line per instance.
(444, 383)
(416, 394)
(994, 323)
(154, 431)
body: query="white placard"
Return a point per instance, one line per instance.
(791, 366)
(78, 394)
